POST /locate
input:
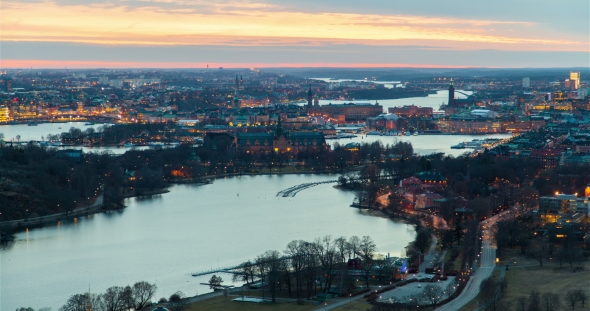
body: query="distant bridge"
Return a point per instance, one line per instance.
(291, 192)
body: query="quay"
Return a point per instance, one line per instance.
(291, 192)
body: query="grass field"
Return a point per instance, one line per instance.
(222, 304)
(546, 279)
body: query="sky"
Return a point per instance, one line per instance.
(293, 33)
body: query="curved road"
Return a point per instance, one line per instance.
(472, 289)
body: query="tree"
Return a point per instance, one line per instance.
(177, 301)
(582, 296)
(143, 292)
(571, 297)
(83, 302)
(433, 294)
(366, 251)
(539, 249)
(534, 301)
(215, 281)
(521, 304)
(113, 299)
(550, 302)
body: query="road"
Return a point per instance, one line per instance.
(472, 289)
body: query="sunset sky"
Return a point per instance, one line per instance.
(296, 33)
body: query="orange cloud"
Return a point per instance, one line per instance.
(42, 64)
(252, 24)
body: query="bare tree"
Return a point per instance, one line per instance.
(113, 298)
(582, 296)
(539, 249)
(143, 292)
(433, 294)
(178, 302)
(521, 304)
(534, 301)
(83, 302)
(550, 302)
(571, 297)
(366, 251)
(353, 245)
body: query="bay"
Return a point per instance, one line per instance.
(164, 238)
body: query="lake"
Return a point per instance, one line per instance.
(162, 239)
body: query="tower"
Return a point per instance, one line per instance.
(451, 101)
(316, 101)
(309, 97)
(574, 80)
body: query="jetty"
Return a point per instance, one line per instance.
(291, 192)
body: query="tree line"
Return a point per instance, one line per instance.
(305, 268)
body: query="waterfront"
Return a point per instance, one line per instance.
(40, 130)
(422, 144)
(432, 100)
(163, 238)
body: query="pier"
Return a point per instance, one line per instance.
(291, 192)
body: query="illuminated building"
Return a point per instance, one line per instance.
(4, 114)
(351, 112)
(410, 111)
(574, 80)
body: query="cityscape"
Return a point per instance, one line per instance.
(265, 155)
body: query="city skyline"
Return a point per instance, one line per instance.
(194, 34)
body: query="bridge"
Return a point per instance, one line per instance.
(291, 192)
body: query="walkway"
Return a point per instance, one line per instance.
(54, 217)
(291, 192)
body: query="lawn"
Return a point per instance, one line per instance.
(546, 279)
(221, 304)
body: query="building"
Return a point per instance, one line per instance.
(451, 101)
(526, 82)
(426, 200)
(280, 141)
(4, 114)
(351, 112)
(412, 111)
(549, 157)
(470, 125)
(574, 80)
(553, 208)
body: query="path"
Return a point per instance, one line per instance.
(54, 217)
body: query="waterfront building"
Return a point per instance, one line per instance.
(553, 208)
(451, 100)
(4, 114)
(412, 111)
(351, 112)
(280, 141)
(469, 125)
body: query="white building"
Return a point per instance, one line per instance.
(484, 113)
(526, 82)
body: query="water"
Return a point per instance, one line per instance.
(423, 144)
(27, 132)
(192, 228)
(432, 100)
(386, 84)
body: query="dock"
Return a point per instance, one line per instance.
(291, 192)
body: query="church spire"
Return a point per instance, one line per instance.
(309, 97)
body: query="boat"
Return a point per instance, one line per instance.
(174, 143)
(458, 146)
(415, 133)
(32, 123)
(129, 145)
(373, 133)
(155, 144)
(408, 134)
(89, 123)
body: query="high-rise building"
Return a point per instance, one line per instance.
(526, 82)
(4, 114)
(574, 80)
(451, 101)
